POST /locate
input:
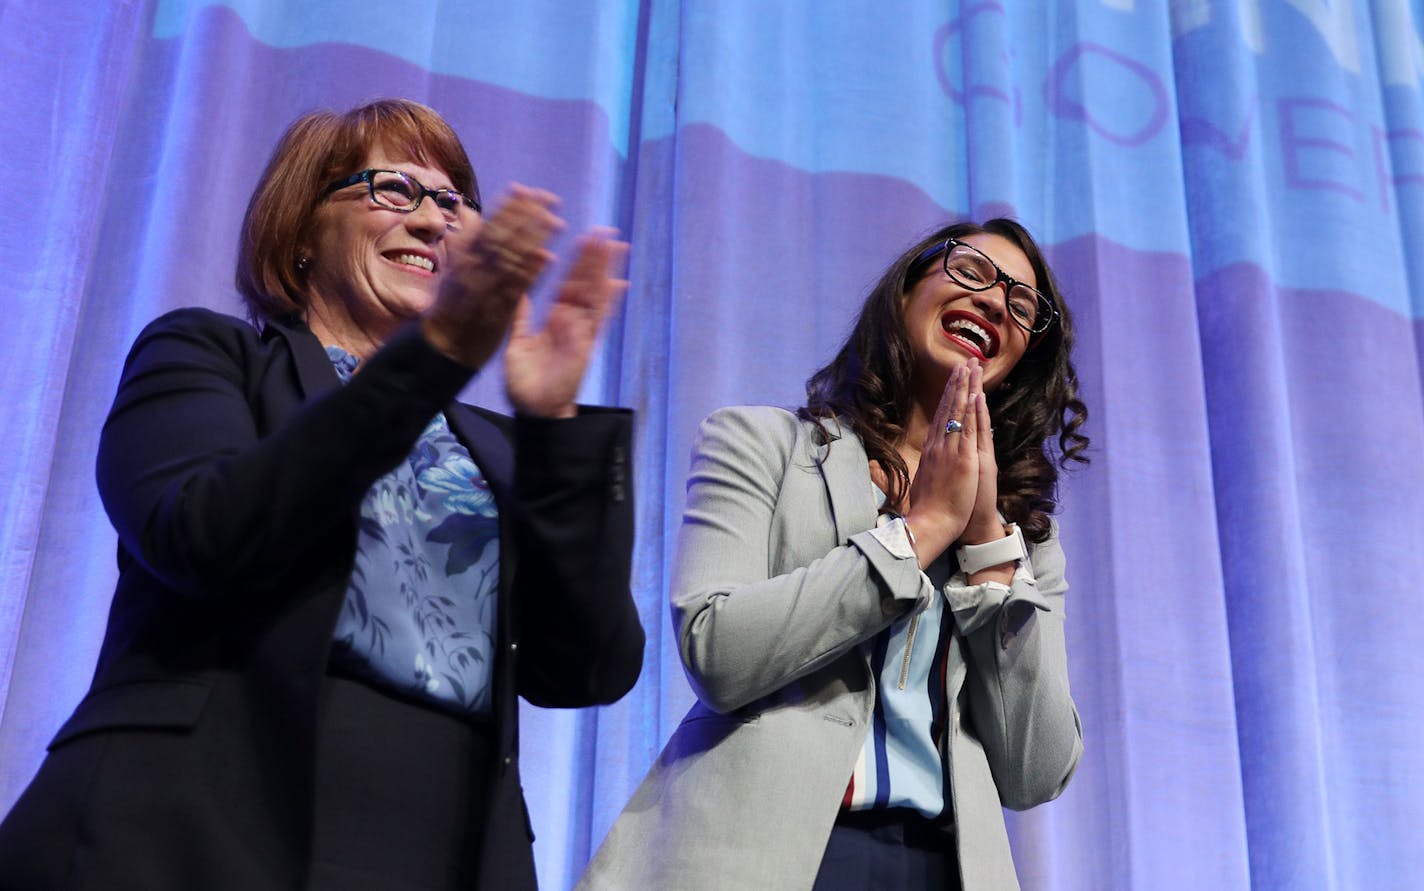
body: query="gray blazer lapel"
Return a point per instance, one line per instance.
(846, 470)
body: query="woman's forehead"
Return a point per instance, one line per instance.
(406, 161)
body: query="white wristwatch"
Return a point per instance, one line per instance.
(1008, 549)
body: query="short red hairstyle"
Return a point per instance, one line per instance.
(317, 149)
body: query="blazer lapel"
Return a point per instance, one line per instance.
(315, 374)
(488, 447)
(846, 470)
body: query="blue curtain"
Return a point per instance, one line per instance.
(1231, 192)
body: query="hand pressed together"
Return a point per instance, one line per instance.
(953, 497)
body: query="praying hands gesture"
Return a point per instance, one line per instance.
(954, 495)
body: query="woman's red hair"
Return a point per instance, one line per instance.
(318, 149)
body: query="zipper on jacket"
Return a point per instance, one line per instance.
(909, 646)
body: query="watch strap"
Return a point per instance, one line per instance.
(1008, 549)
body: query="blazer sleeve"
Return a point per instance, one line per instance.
(577, 626)
(214, 506)
(744, 629)
(1017, 684)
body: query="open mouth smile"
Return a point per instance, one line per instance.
(412, 259)
(973, 332)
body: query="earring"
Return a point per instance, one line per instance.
(303, 262)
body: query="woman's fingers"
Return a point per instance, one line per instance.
(974, 394)
(590, 285)
(949, 414)
(519, 324)
(985, 426)
(488, 268)
(511, 243)
(984, 524)
(952, 417)
(588, 294)
(963, 402)
(534, 221)
(544, 367)
(945, 483)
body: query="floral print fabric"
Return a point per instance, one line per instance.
(419, 616)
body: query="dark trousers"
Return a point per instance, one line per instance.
(399, 794)
(891, 849)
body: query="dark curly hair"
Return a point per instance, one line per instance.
(869, 386)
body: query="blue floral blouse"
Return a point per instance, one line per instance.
(419, 616)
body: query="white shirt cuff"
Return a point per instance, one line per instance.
(895, 536)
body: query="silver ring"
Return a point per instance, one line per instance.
(953, 426)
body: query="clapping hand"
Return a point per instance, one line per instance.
(484, 295)
(488, 270)
(543, 368)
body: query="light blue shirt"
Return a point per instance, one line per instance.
(904, 762)
(419, 616)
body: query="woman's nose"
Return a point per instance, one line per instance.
(427, 220)
(993, 301)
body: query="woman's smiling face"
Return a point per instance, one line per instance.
(377, 266)
(947, 323)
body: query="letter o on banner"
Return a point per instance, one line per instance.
(1066, 107)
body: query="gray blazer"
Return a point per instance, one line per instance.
(778, 583)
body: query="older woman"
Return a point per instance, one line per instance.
(869, 601)
(334, 578)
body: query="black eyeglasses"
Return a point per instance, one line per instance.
(968, 267)
(402, 192)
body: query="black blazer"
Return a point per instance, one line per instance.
(233, 465)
